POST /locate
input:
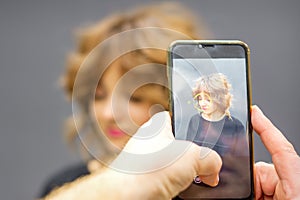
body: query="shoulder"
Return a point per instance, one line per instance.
(68, 174)
(235, 122)
(196, 117)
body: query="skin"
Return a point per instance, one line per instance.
(205, 103)
(280, 180)
(209, 109)
(138, 109)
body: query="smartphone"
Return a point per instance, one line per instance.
(210, 103)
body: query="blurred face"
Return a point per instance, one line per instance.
(120, 114)
(207, 106)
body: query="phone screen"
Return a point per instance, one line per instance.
(210, 102)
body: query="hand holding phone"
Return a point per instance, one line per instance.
(210, 104)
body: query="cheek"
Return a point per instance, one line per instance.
(202, 103)
(213, 106)
(139, 114)
(210, 105)
(100, 109)
(98, 112)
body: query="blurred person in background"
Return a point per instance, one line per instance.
(120, 108)
(140, 55)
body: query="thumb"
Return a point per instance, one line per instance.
(152, 136)
(150, 148)
(171, 164)
(180, 173)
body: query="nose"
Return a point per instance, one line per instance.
(201, 102)
(107, 111)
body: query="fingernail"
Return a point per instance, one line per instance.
(218, 179)
(197, 179)
(257, 108)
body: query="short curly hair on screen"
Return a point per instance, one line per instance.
(218, 88)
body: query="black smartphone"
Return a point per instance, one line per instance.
(210, 102)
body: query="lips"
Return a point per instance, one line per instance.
(115, 133)
(204, 108)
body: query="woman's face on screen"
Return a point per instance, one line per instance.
(206, 104)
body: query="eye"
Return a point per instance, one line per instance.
(136, 99)
(208, 100)
(100, 94)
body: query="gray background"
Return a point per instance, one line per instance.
(36, 35)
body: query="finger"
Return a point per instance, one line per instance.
(272, 138)
(169, 181)
(172, 164)
(182, 172)
(209, 166)
(209, 159)
(152, 136)
(266, 180)
(94, 165)
(286, 160)
(151, 148)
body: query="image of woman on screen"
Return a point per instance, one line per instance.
(214, 127)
